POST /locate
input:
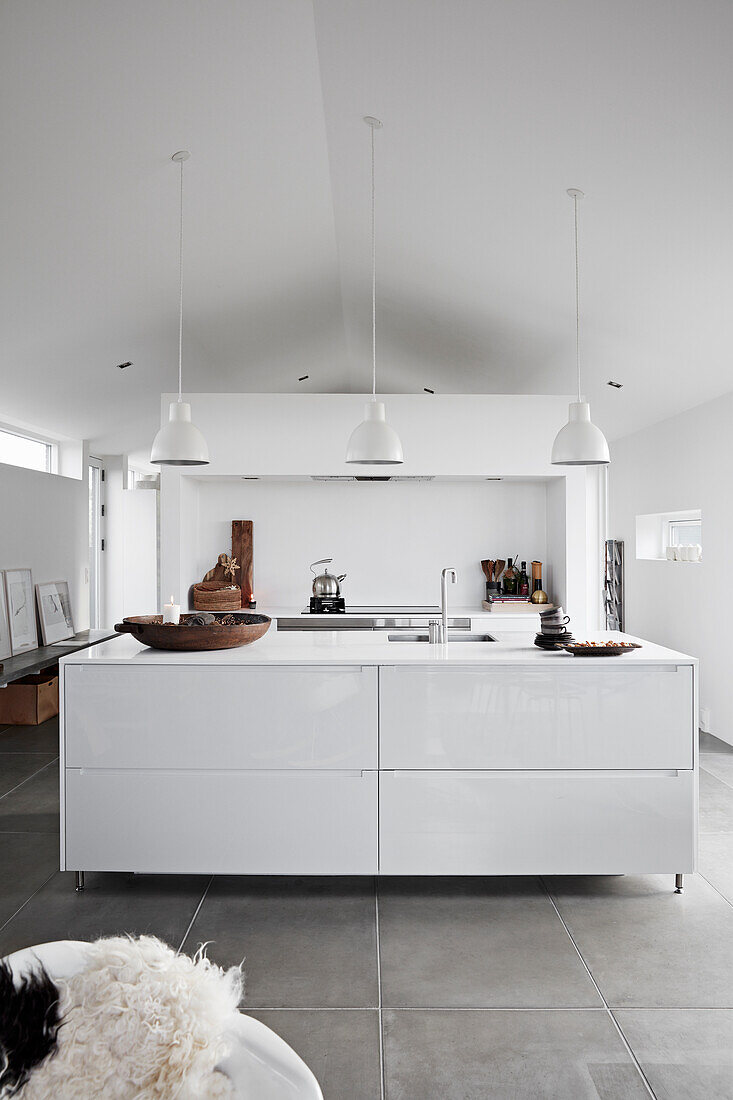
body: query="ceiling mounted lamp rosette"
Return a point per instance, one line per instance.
(179, 442)
(580, 442)
(374, 442)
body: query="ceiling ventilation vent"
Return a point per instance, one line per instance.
(374, 477)
(379, 477)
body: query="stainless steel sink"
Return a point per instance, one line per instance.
(452, 637)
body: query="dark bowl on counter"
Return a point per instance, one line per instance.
(152, 631)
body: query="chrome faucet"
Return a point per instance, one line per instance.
(444, 600)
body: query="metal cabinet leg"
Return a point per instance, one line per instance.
(679, 883)
(79, 881)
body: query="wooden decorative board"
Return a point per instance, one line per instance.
(243, 551)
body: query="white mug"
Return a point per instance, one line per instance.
(694, 552)
(671, 553)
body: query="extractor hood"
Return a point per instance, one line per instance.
(368, 477)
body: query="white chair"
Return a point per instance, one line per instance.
(261, 1066)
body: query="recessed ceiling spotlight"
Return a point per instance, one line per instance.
(494, 478)
(426, 390)
(616, 385)
(249, 477)
(303, 377)
(121, 366)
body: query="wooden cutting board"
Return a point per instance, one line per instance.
(243, 551)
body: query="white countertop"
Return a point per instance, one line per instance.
(334, 647)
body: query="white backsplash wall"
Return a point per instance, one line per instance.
(392, 539)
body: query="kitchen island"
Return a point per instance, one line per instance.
(337, 752)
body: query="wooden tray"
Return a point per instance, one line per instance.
(599, 650)
(149, 630)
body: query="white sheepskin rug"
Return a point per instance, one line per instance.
(140, 1022)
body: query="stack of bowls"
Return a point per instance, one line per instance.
(553, 628)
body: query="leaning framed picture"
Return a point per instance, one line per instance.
(21, 609)
(54, 611)
(6, 650)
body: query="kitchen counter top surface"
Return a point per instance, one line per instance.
(334, 647)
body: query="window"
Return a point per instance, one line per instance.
(17, 449)
(684, 532)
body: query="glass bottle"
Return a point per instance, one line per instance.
(524, 581)
(510, 579)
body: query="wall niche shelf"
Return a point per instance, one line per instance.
(655, 531)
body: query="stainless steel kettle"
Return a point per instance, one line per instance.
(326, 584)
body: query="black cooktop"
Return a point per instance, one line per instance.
(382, 609)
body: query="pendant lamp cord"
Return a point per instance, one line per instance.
(374, 286)
(180, 292)
(577, 297)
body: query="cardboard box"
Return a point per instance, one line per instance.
(31, 700)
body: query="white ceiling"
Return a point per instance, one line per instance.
(491, 110)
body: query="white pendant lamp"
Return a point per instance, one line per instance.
(374, 442)
(580, 442)
(179, 442)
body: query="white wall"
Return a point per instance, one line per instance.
(45, 528)
(131, 541)
(408, 529)
(681, 463)
(453, 435)
(391, 539)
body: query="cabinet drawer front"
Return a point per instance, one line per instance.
(434, 823)
(248, 823)
(255, 717)
(566, 715)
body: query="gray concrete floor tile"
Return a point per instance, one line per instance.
(16, 767)
(341, 1048)
(33, 807)
(43, 738)
(716, 804)
(26, 861)
(307, 943)
(499, 1055)
(686, 1054)
(710, 743)
(450, 943)
(648, 947)
(111, 904)
(719, 764)
(715, 861)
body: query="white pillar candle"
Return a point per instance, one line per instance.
(172, 612)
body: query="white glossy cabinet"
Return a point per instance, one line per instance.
(557, 767)
(532, 823)
(214, 822)
(574, 715)
(262, 717)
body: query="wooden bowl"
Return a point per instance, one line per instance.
(150, 630)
